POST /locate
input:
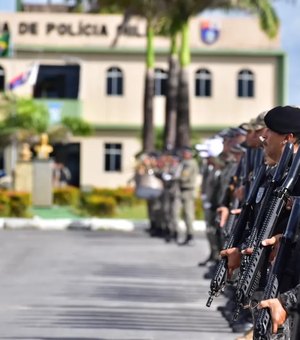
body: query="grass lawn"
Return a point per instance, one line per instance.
(54, 212)
(136, 212)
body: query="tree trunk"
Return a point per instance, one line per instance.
(148, 128)
(183, 113)
(171, 104)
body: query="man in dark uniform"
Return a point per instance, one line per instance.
(283, 126)
(210, 188)
(284, 121)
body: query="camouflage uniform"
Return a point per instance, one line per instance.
(169, 176)
(185, 201)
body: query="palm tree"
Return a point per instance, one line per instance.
(178, 13)
(183, 10)
(169, 27)
(171, 97)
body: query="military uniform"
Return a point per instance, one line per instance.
(169, 176)
(283, 123)
(148, 165)
(210, 200)
(185, 201)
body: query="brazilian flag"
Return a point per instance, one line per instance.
(4, 41)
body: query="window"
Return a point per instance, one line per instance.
(113, 156)
(160, 82)
(2, 79)
(57, 81)
(203, 83)
(114, 82)
(245, 84)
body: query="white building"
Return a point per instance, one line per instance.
(235, 74)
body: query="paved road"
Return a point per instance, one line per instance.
(83, 285)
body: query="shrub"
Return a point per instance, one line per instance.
(19, 203)
(125, 196)
(67, 195)
(97, 205)
(4, 204)
(122, 195)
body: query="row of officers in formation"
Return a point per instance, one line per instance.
(250, 192)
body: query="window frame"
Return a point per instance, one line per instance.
(113, 157)
(114, 82)
(246, 84)
(203, 83)
(160, 82)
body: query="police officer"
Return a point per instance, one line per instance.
(284, 122)
(210, 188)
(283, 125)
(170, 175)
(185, 201)
(148, 165)
(254, 129)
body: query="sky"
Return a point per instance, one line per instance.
(288, 12)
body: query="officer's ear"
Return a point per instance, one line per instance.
(290, 138)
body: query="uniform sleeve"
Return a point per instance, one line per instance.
(289, 299)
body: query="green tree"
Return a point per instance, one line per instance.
(23, 119)
(170, 27)
(177, 13)
(182, 11)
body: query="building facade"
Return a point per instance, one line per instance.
(80, 64)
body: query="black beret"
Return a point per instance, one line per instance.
(283, 119)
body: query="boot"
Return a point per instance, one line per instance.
(188, 240)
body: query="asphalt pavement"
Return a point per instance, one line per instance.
(104, 285)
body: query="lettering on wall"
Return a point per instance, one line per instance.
(78, 29)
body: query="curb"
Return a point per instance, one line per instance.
(92, 224)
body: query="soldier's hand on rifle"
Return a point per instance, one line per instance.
(278, 313)
(223, 215)
(247, 251)
(274, 243)
(235, 211)
(239, 193)
(289, 203)
(233, 259)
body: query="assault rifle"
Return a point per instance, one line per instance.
(263, 323)
(219, 280)
(251, 276)
(235, 182)
(257, 155)
(248, 168)
(282, 165)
